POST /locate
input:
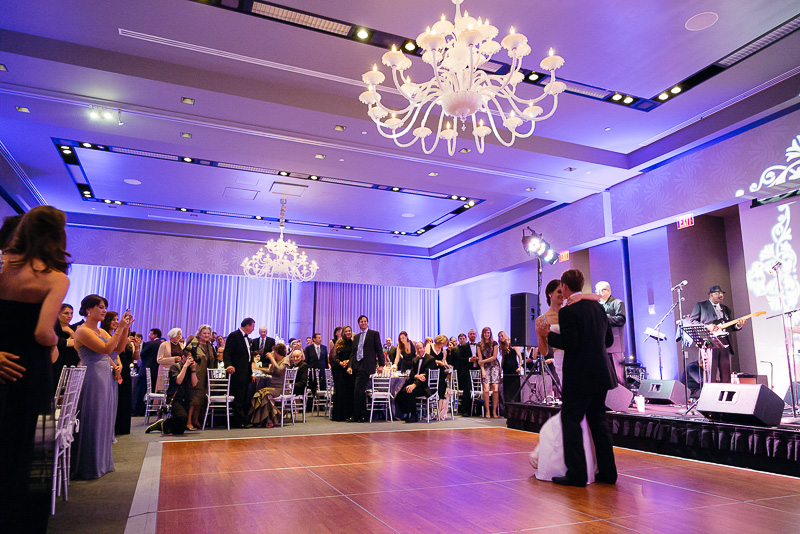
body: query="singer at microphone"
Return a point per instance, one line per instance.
(711, 313)
(680, 285)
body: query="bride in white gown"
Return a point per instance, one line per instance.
(548, 457)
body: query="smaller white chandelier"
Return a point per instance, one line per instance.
(281, 259)
(456, 51)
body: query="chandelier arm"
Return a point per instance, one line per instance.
(555, 105)
(514, 68)
(479, 141)
(494, 127)
(506, 95)
(395, 135)
(395, 111)
(438, 129)
(436, 70)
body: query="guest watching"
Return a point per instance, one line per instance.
(67, 355)
(337, 333)
(511, 367)
(343, 382)
(301, 381)
(237, 362)
(169, 353)
(490, 370)
(438, 350)
(263, 344)
(92, 448)
(182, 377)
(416, 385)
(404, 354)
(615, 311)
(204, 358)
(148, 363)
(33, 284)
(367, 358)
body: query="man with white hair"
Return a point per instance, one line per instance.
(615, 310)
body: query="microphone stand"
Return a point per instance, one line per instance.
(788, 338)
(683, 351)
(658, 341)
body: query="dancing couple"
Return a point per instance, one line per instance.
(570, 442)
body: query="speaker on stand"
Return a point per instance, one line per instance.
(523, 315)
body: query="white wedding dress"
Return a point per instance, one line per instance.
(548, 457)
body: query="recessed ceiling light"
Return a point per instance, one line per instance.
(701, 21)
(663, 96)
(628, 100)
(395, 232)
(283, 173)
(408, 215)
(107, 201)
(433, 174)
(465, 150)
(403, 233)
(395, 189)
(462, 198)
(547, 192)
(454, 197)
(675, 90)
(340, 128)
(341, 159)
(533, 76)
(410, 46)
(348, 227)
(186, 135)
(421, 231)
(132, 181)
(64, 147)
(529, 189)
(86, 145)
(187, 160)
(607, 128)
(258, 217)
(467, 206)
(67, 151)
(117, 202)
(319, 156)
(3, 68)
(588, 172)
(471, 203)
(569, 169)
(187, 100)
(362, 34)
(314, 177)
(616, 97)
(363, 132)
(22, 109)
(182, 209)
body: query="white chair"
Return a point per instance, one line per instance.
(455, 393)
(329, 392)
(153, 401)
(288, 398)
(321, 398)
(380, 396)
(66, 426)
(427, 404)
(477, 390)
(218, 396)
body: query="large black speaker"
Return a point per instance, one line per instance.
(663, 391)
(523, 315)
(748, 404)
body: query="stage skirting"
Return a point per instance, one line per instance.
(776, 450)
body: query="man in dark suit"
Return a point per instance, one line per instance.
(709, 312)
(147, 364)
(416, 385)
(263, 344)
(367, 357)
(585, 335)
(615, 310)
(317, 358)
(468, 356)
(390, 351)
(236, 356)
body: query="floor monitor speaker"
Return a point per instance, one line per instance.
(748, 404)
(788, 397)
(523, 315)
(619, 399)
(663, 391)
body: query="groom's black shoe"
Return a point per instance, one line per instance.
(566, 481)
(606, 479)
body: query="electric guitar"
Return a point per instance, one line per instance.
(723, 326)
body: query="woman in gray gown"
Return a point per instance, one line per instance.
(91, 455)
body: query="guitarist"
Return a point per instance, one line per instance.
(712, 312)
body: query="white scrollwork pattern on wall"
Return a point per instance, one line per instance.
(780, 174)
(760, 279)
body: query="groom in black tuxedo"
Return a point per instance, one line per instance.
(367, 356)
(236, 356)
(585, 335)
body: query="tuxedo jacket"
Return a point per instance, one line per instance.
(703, 312)
(615, 310)
(236, 354)
(311, 357)
(255, 346)
(391, 354)
(301, 381)
(373, 353)
(428, 363)
(585, 336)
(464, 354)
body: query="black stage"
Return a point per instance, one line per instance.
(661, 430)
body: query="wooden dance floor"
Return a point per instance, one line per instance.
(449, 480)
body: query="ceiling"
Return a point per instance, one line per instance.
(268, 96)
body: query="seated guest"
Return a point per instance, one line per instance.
(220, 357)
(276, 369)
(182, 377)
(416, 385)
(256, 363)
(298, 363)
(262, 409)
(428, 343)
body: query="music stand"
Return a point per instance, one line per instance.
(701, 338)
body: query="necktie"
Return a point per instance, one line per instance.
(247, 345)
(419, 367)
(718, 311)
(261, 348)
(317, 346)
(360, 353)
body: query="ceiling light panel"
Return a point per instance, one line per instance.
(299, 18)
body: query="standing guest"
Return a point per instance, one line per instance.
(316, 356)
(296, 362)
(125, 358)
(584, 334)
(461, 364)
(490, 370)
(337, 333)
(615, 311)
(182, 377)
(169, 353)
(712, 312)
(405, 353)
(470, 359)
(203, 354)
(91, 457)
(220, 341)
(417, 383)
(343, 382)
(438, 350)
(367, 356)
(33, 283)
(214, 339)
(511, 367)
(109, 324)
(67, 355)
(389, 351)
(263, 344)
(147, 364)
(237, 363)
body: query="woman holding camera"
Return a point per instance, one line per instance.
(203, 353)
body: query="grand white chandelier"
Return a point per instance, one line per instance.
(456, 51)
(281, 259)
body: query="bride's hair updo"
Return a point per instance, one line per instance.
(551, 287)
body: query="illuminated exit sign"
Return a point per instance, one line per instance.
(563, 256)
(686, 222)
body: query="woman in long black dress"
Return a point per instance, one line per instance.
(344, 383)
(33, 284)
(438, 350)
(510, 366)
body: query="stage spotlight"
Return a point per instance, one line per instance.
(534, 243)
